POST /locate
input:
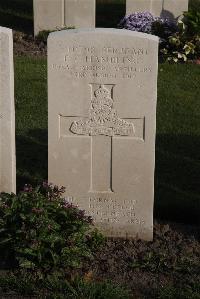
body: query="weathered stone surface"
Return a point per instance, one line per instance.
(171, 9)
(56, 14)
(7, 114)
(80, 13)
(102, 124)
(48, 15)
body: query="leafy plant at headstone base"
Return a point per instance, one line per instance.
(163, 262)
(181, 46)
(44, 232)
(183, 42)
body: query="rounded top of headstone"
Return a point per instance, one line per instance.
(6, 30)
(111, 31)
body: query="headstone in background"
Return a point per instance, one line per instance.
(48, 15)
(171, 9)
(80, 13)
(57, 14)
(7, 113)
(102, 125)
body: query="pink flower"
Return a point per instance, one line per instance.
(28, 188)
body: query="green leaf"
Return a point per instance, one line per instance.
(27, 264)
(5, 241)
(29, 251)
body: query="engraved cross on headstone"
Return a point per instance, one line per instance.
(102, 125)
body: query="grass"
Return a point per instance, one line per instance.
(52, 287)
(177, 190)
(31, 120)
(178, 141)
(17, 14)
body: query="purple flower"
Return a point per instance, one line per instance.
(138, 21)
(5, 206)
(45, 184)
(68, 205)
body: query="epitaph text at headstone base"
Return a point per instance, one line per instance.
(171, 9)
(7, 114)
(102, 115)
(58, 14)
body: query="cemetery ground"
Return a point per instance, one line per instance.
(168, 267)
(173, 259)
(170, 263)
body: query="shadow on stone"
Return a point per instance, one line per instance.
(166, 14)
(109, 13)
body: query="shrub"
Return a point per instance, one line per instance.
(138, 21)
(147, 23)
(181, 46)
(177, 42)
(194, 5)
(163, 28)
(192, 22)
(42, 231)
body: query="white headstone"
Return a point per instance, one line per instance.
(48, 15)
(7, 113)
(57, 14)
(102, 124)
(171, 9)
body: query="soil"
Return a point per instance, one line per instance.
(172, 259)
(25, 44)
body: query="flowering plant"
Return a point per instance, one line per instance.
(181, 46)
(163, 28)
(41, 230)
(138, 21)
(147, 23)
(177, 41)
